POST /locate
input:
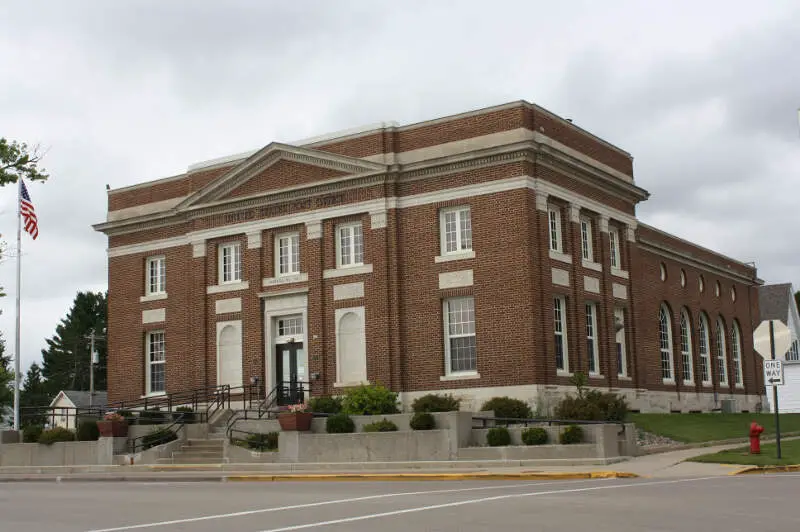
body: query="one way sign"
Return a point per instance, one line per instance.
(773, 373)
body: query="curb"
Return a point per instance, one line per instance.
(431, 476)
(763, 470)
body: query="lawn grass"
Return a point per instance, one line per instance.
(790, 455)
(697, 428)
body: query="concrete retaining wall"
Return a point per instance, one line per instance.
(100, 452)
(239, 455)
(365, 446)
(532, 452)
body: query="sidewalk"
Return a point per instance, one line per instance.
(663, 465)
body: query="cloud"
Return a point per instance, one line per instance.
(704, 95)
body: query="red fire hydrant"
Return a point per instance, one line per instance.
(755, 438)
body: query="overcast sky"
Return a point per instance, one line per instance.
(703, 94)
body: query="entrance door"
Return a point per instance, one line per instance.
(290, 369)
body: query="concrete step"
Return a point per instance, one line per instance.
(196, 460)
(204, 444)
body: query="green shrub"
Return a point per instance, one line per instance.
(340, 423)
(593, 405)
(158, 437)
(383, 425)
(571, 434)
(369, 400)
(507, 407)
(263, 442)
(151, 417)
(185, 414)
(87, 430)
(325, 404)
(127, 414)
(534, 436)
(498, 437)
(423, 421)
(31, 433)
(435, 403)
(56, 434)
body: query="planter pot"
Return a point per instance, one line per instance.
(295, 420)
(116, 429)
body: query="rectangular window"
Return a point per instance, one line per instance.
(560, 328)
(591, 338)
(288, 254)
(349, 245)
(686, 348)
(613, 239)
(156, 359)
(793, 354)
(459, 327)
(290, 326)
(456, 230)
(703, 342)
(554, 214)
(721, 355)
(622, 356)
(586, 240)
(156, 276)
(230, 263)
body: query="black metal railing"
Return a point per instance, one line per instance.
(160, 436)
(279, 398)
(57, 416)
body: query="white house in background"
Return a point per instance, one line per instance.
(67, 401)
(776, 302)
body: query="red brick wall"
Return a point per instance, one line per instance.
(284, 174)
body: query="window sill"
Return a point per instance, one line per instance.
(228, 287)
(462, 255)
(623, 378)
(671, 382)
(350, 384)
(739, 386)
(284, 279)
(460, 377)
(620, 273)
(153, 394)
(589, 265)
(707, 384)
(347, 270)
(153, 297)
(563, 373)
(688, 383)
(596, 376)
(562, 257)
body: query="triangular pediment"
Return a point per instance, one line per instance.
(277, 167)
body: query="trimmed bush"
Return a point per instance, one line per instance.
(593, 405)
(87, 430)
(151, 417)
(325, 404)
(423, 421)
(339, 423)
(498, 437)
(185, 414)
(508, 407)
(369, 401)
(534, 436)
(56, 434)
(263, 442)
(128, 415)
(158, 437)
(571, 434)
(383, 425)
(435, 403)
(31, 433)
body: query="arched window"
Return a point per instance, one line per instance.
(736, 353)
(703, 343)
(686, 347)
(665, 342)
(722, 359)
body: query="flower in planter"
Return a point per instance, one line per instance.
(301, 407)
(113, 416)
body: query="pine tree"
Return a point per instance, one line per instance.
(66, 359)
(33, 395)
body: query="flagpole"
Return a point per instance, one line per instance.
(19, 283)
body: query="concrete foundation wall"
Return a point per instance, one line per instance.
(365, 446)
(533, 452)
(99, 452)
(233, 454)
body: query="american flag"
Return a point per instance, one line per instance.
(27, 211)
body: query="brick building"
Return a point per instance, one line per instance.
(494, 252)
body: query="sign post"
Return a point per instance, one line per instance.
(775, 389)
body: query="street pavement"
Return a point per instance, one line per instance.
(724, 503)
